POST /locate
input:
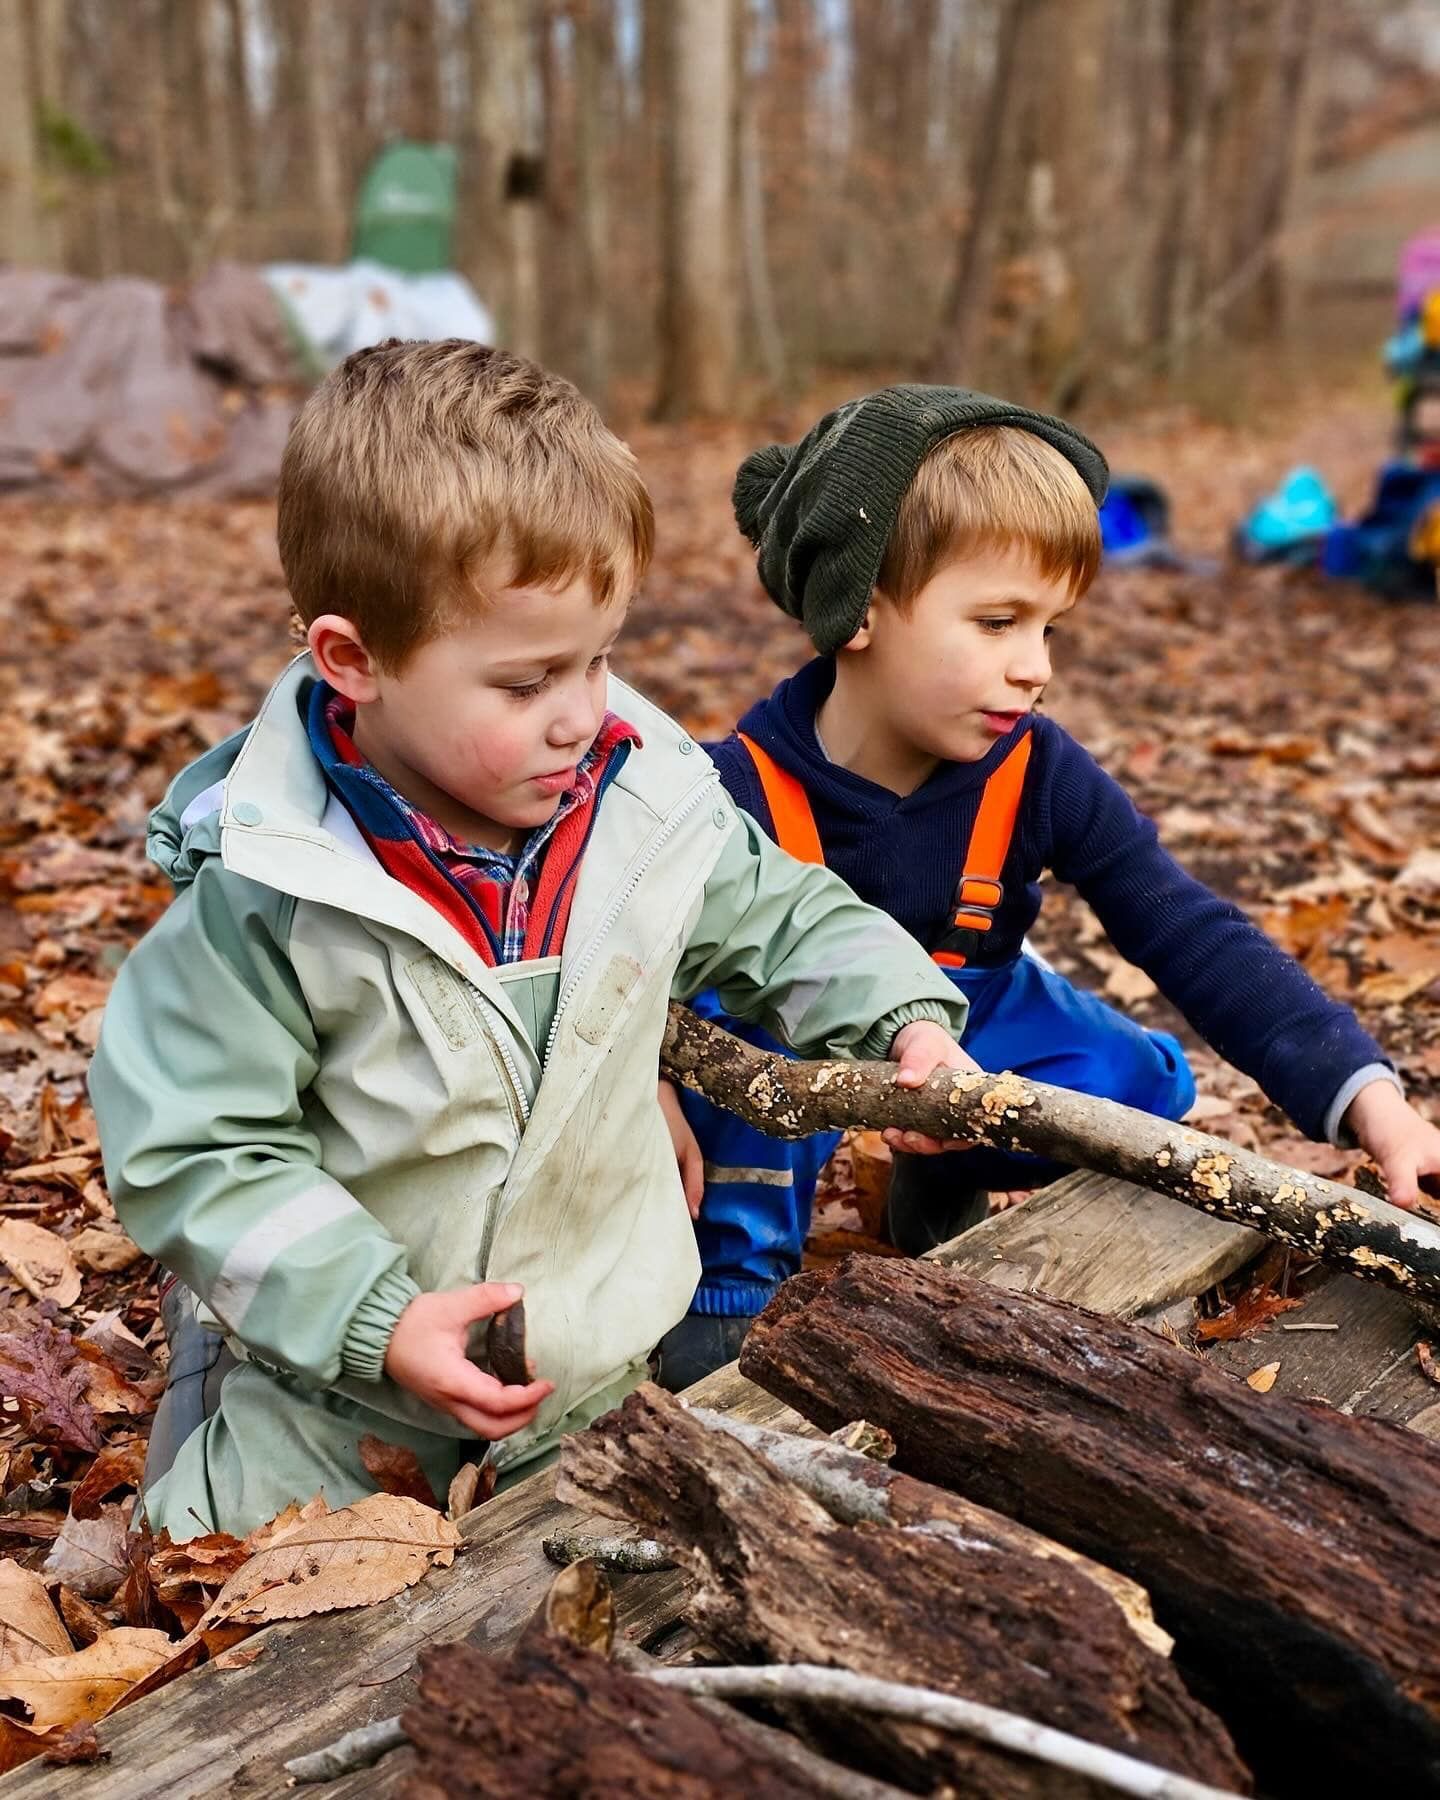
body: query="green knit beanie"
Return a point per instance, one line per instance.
(820, 512)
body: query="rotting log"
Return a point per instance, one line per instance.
(1290, 1550)
(1362, 1235)
(778, 1580)
(553, 1718)
(855, 1489)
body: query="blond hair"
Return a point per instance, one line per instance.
(418, 472)
(996, 487)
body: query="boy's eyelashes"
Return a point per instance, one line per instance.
(527, 690)
(997, 625)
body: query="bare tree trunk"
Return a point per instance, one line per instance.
(967, 304)
(760, 290)
(505, 125)
(239, 103)
(22, 233)
(699, 326)
(1193, 75)
(322, 120)
(418, 63)
(594, 102)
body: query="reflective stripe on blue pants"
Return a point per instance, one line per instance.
(1024, 1016)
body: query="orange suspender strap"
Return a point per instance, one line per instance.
(980, 890)
(789, 806)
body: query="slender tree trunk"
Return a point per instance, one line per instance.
(22, 234)
(760, 290)
(506, 128)
(967, 305)
(418, 65)
(594, 123)
(699, 329)
(239, 103)
(322, 120)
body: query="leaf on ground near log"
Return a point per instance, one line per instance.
(84, 1623)
(117, 1466)
(1263, 1378)
(238, 1656)
(1425, 1356)
(90, 1555)
(352, 1557)
(113, 1338)
(465, 1490)
(42, 1700)
(40, 1261)
(77, 1745)
(108, 1391)
(1255, 1308)
(104, 1252)
(187, 1577)
(30, 1627)
(396, 1469)
(580, 1606)
(39, 1367)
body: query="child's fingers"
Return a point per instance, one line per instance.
(488, 1425)
(462, 1384)
(1402, 1187)
(692, 1177)
(484, 1300)
(919, 1144)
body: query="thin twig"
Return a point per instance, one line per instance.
(811, 1682)
(358, 1749)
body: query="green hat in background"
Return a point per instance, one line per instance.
(820, 512)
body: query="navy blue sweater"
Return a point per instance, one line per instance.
(1241, 992)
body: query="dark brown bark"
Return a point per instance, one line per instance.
(778, 1580)
(1361, 1235)
(556, 1719)
(1291, 1550)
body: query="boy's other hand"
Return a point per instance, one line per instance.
(687, 1151)
(920, 1049)
(427, 1356)
(1406, 1146)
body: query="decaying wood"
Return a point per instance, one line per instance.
(1364, 1236)
(1289, 1549)
(778, 1580)
(924, 1706)
(553, 1718)
(855, 1490)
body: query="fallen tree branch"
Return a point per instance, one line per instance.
(785, 1099)
(623, 1555)
(927, 1706)
(358, 1749)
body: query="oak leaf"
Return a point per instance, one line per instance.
(1255, 1308)
(41, 1368)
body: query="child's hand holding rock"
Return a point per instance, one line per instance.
(427, 1355)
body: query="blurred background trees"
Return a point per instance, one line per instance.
(696, 204)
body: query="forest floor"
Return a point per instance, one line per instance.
(1280, 730)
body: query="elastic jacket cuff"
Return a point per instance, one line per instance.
(362, 1354)
(734, 1300)
(1336, 1130)
(882, 1034)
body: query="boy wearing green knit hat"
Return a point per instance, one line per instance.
(931, 540)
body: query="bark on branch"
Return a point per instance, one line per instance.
(1363, 1236)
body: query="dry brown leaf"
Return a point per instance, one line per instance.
(395, 1469)
(117, 1466)
(1263, 1378)
(187, 1577)
(1425, 1356)
(71, 996)
(113, 1338)
(352, 1557)
(82, 1620)
(90, 1554)
(239, 1656)
(461, 1497)
(1255, 1308)
(40, 1261)
(77, 1745)
(104, 1252)
(30, 1627)
(46, 1698)
(108, 1391)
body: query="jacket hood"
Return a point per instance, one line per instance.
(185, 826)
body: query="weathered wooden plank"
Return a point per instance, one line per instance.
(1366, 1366)
(317, 1678)
(1104, 1244)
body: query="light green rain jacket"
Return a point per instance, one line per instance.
(316, 1100)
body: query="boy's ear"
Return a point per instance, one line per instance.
(863, 633)
(341, 657)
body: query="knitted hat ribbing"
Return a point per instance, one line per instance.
(820, 512)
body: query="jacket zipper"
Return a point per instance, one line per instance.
(705, 790)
